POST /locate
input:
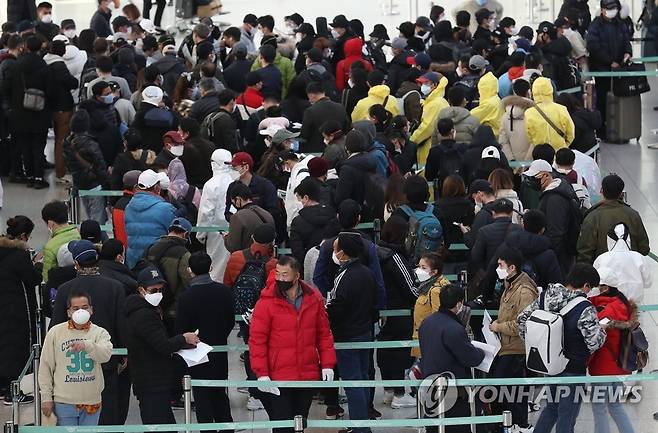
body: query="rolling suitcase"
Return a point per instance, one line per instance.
(623, 120)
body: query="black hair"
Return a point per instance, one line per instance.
(291, 262)
(456, 96)
(233, 32)
(450, 296)
(239, 190)
(266, 21)
(463, 19)
(415, 189)
(348, 213)
(581, 274)
(308, 187)
(77, 293)
(14, 41)
(133, 138)
(56, 211)
(58, 48)
(375, 78)
(394, 230)
(382, 115)
(434, 260)
(225, 97)
(544, 151)
(314, 88)
(274, 110)
(512, 256)
(110, 249)
(190, 125)
(151, 74)
(33, 43)
(199, 263)
(532, 61)
(612, 186)
(104, 64)
(445, 125)
(521, 87)
(204, 50)
(565, 156)
(534, 221)
(19, 225)
(268, 53)
(86, 40)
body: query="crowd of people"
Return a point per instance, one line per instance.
(251, 161)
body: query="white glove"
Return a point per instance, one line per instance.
(327, 374)
(271, 389)
(247, 315)
(201, 237)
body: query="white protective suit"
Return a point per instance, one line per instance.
(211, 211)
(298, 173)
(630, 266)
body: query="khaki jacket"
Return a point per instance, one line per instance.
(518, 294)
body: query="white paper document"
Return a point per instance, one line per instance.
(196, 356)
(489, 354)
(489, 336)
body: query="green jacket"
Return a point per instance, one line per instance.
(60, 236)
(285, 66)
(599, 219)
(170, 255)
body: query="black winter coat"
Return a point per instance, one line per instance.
(29, 71)
(293, 108)
(339, 49)
(119, 272)
(171, 67)
(482, 138)
(208, 103)
(307, 229)
(482, 218)
(489, 239)
(207, 307)
(607, 42)
(56, 277)
(18, 277)
(19, 10)
(537, 249)
(127, 73)
(123, 163)
(100, 24)
(152, 134)
(150, 349)
(454, 210)
(236, 75)
(85, 161)
(316, 115)
(352, 177)
(398, 71)
(62, 84)
(104, 128)
(586, 123)
(556, 203)
(196, 160)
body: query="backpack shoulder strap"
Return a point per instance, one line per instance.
(248, 257)
(430, 208)
(550, 122)
(189, 195)
(407, 210)
(144, 156)
(385, 101)
(571, 304)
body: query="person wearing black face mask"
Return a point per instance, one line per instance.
(300, 338)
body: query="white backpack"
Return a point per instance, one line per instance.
(544, 340)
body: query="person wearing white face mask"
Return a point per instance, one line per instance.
(173, 146)
(70, 373)
(150, 348)
(45, 26)
(578, 48)
(519, 291)
(472, 6)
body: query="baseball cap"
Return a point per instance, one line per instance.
(148, 178)
(283, 134)
(120, 21)
(91, 231)
(424, 23)
(545, 27)
(502, 205)
(538, 166)
(67, 24)
(490, 152)
(242, 158)
(264, 234)
(149, 276)
(399, 43)
(480, 185)
(119, 37)
(429, 77)
(83, 252)
(477, 63)
(423, 60)
(152, 95)
(61, 38)
(147, 25)
(181, 224)
(240, 48)
(271, 130)
(130, 178)
(175, 136)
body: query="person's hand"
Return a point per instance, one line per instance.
(77, 346)
(464, 228)
(191, 338)
(47, 408)
(122, 365)
(38, 258)
(327, 374)
(614, 65)
(267, 388)
(494, 326)
(627, 58)
(382, 321)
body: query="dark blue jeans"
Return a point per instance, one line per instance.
(561, 410)
(354, 365)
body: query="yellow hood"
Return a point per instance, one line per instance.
(381, 91)
(488, 86)
(542, 90)
(439, 91)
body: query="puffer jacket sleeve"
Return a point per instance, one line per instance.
(259, 335)
(590, 328)
(597, 51)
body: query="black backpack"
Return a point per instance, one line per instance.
(88, 75)
(250, 282)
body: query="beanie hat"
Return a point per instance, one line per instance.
(80, 122)
(355, 142)
(350, 243)
(317, 167)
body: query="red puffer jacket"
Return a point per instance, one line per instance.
(353, 54)
(288, 345)
(604, 360)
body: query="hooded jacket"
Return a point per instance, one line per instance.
(604, 361)
(583, 334)
(307, 229)
(555, 201)
(298, 173)
(434, 103)
(352, 177)
(62, 83)
(173, 263)
(353, 48)
(243, 224)
(29, 71)
(285, 66)
(538, 250)
(513, 136)
(465, 124)
(147, 217)
(483, 137)
(598, 221)
(490, 110)
(538, 129)
(398, 70)
(75, 59)
(150, 349)
(85, 161)
(286, 344)
(170, 67)
(104, 128)
(59, 237)
(519, 292)
(376, 95)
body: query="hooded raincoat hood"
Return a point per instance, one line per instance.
(376, 95)
(490, 110)
(433, 105)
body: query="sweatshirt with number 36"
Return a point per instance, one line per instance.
(72, 377)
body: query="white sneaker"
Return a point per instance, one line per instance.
(388, 397)
(254, 404)
(403, 401)
(517, 429)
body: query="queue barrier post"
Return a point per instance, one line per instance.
(299, 424)
(507, 421)
(419, 411)
(38, 319)
(187, 395)
(36, 350)
(442, 383)
(15, 397)
(9, 427)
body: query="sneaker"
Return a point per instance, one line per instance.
(243, 390)
(254, 404)
(375, 414)
(334, 412)
(388, 397)
(403, 401)
(22, 399)
(64, 180)
(40, 184)
(177, 404)
(516, 429)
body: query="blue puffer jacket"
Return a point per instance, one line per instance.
(147, 218)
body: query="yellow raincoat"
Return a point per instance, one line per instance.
(376, 95)
(491, 110)
(432, 106)
(538, 129)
